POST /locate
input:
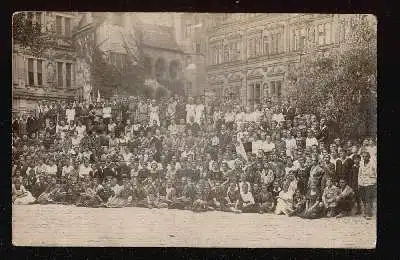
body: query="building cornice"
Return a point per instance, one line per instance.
(32, 93)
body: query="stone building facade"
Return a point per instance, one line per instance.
(249, 55)
(52, 75)
(113, 33)
(190, 32)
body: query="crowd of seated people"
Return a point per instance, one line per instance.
(137, 152)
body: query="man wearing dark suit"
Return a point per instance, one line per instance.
(352, 179)
(323, 136)
(289, 112)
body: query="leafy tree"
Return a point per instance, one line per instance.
(109, 78)
(29, 35)
(341, 86)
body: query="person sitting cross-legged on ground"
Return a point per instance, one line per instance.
(122, 197)
(218, 196)
(263, 199)
(188, 195)
(203, 197)
(345, 199)
(233, 198)
(20, 195)
(170, 196)
(89, 197)
(314, 205)
(247, 203)
(153, 196)
(299, 203)
(285, 197)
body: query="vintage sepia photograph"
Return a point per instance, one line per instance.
(250, 130)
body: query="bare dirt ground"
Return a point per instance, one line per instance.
(57, 225)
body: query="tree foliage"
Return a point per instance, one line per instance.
(28, 34)
(341, 86)
(110, 78)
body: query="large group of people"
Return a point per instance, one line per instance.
(137, 152)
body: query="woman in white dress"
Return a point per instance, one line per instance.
(190, 110)
(199, 112)
(20, 196)
(154, 113)
(285, 197)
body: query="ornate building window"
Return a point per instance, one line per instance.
(68, 75)
(60, 79)
(276, 88)
(188, 30)
(39, 74)
(67, 22)
(254, 48)
(31, 81)
(299, 39)
(59, 25)
(324, 33)
(257, 47)
(234, 51)
(238, 50)
(266, 45)
(219, 56)
(311, 34)
(257, 93)
(276, 43)
(226, 53)
(251, 48)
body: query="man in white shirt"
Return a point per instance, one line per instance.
(258, 144)
(111, 126)
(67, 169)
(106, 112)
(51, 169)
(278, 116)
(291, 144)
(367, 183)
(268, 146)
(76, 140)
(70, 113)
(80, 129)
(311, 140)
(62, 129)
(190, 110)
(85, 169)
